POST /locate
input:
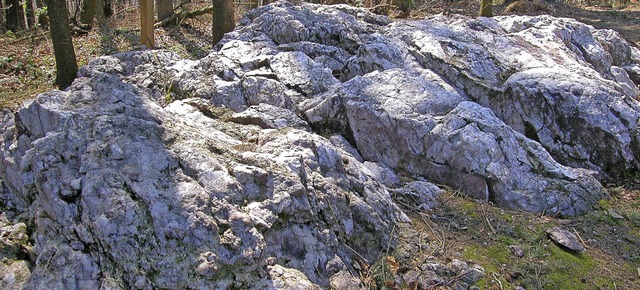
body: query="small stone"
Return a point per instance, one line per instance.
(473, 274)
(517, 251)
(564, 221)
(270, 261)
(76, 184)
(77, 245)
(411, 276)
(140, 282)
(565, 238)
(344, 280)
(461, 286)
(614, 215)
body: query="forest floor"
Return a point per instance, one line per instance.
(460, 228)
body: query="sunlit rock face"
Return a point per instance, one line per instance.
(279, 160)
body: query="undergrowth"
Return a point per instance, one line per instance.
(478, 232)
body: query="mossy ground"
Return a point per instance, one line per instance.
(478, 232)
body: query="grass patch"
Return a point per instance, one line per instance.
(610, 260)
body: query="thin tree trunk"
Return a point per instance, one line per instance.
(31, 12)
(223, 19)
(165, 10)
(22, 16)
(12, 15)
(146, 23)
(107, 8)
(88, 12)
(485, 8)
(66, 65)
(2, 10)
(405, 6)
(100, 10)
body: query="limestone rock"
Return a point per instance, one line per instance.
(565, 238)
(277, 158)
(516, 250)
(14, 274)
(269, 117)
(180, 193)
(14, 254)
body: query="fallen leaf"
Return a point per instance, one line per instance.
(393, 265)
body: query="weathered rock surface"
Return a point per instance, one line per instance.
(14, 254)
(565, 238)
(123, 191)
(275, 160)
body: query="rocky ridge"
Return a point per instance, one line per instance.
(278, 160)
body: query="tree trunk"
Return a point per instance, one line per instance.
(88, 12)
(42, 18)
(12, 15)
(22, 16)
(405, 6)
(107, 8)
(146, 23)
(165, 10)
(66, 65)
(31, 13)
(485, 8)
(99, 9)
(223, 19)
(2, 10)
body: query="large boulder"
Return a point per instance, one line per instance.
(123, 191)
(561, 83)
(272, 162)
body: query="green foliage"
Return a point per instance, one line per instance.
(168, 97)
(634, 218)
(491, 259)
(566, 270)
(41, 11)
(356, 3)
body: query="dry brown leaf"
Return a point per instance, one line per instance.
(393, 265)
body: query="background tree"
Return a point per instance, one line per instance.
(107, 8)
(165, 10)
(91, 9)
(485, 8)
(223, 20)
(146, 23)
(66, 65)
(2, 11)
(12, 15)
(23, 23)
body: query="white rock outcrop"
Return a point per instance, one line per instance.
(274, 162)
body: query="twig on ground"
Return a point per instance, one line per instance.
(490, 226)
(31, 36)
(579, 237)
(182, 15)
